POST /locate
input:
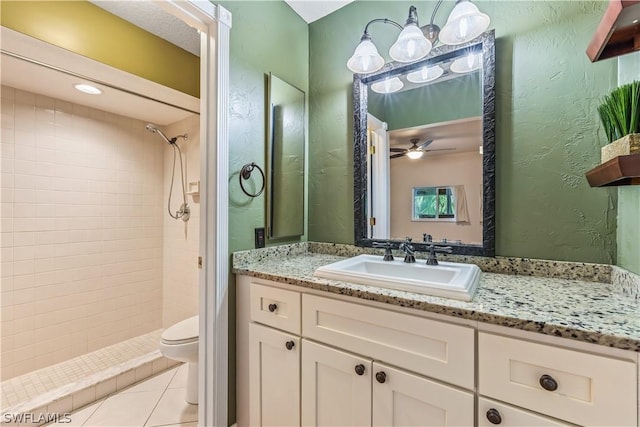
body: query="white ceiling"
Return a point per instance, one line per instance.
(312, 10)
(464, 135)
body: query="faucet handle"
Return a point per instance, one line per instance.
(408, 249)
(388, 255)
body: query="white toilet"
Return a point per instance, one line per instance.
(180, 342)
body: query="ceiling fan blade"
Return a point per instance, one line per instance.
(439, 149)
(394, 156)
(425, 144)
(397, 150)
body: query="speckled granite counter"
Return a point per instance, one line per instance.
(589, 311)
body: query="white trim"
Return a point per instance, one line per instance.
(380, 204)
(214, 23)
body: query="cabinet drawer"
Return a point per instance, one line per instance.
(590, 389)
(276, 307)
(432, 348)
(509, 416)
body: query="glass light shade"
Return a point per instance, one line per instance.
(411, 45)
(425, 74)
(391, 85)
(465, 23)
(467, 63)
(365, 58)
(414, 155)
(91, 90)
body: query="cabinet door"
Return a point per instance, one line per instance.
(404, 399)
(274, 377)
(336, 387)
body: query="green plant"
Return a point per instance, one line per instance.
(620, 111)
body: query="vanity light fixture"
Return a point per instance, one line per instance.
(91, 90)
(465, 23)
(425, 74)
(467, 63)
(391, 85)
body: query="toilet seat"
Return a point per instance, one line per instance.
(183, 332)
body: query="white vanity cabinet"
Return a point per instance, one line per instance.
(274, 375)
(342, 389)
(573, 386)
(319, 359)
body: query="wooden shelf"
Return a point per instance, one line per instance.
(622, 170)
(618, 32)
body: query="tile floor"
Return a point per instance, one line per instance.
(34, 384)
(157, 401)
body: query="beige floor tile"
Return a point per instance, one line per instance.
(183, 425)
(173, 409)
(78, 418)
(159, 382)
(128, 409)
(180, 380)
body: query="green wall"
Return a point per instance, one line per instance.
(84, 28)
(266, 37)
(629, 197)
(430, 103)
(547, 128)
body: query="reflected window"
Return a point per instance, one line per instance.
(433, 204)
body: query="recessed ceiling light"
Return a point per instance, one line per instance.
(91, 90)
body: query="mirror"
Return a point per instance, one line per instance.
(285, 160)
(424, 150)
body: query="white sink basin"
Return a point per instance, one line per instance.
(447, 280)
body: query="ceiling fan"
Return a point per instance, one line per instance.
(415, 151)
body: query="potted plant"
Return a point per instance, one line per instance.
(620, 116)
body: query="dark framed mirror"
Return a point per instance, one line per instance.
(424, 150)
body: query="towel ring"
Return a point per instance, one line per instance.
(245, 173)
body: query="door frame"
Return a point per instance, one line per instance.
(214, 24)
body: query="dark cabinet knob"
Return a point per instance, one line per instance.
(289, 345)
(548, 383)
(273, 307)
(381, 377)
(494, 416)
(360, 369)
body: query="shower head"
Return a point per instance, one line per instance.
(154, 129)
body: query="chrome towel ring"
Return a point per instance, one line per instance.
(245, 173)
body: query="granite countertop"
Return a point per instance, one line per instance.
(588, 311)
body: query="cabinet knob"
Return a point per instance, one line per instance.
(494, 416)
(273, 307)
(548, 383)
(289, 345)
(360, 369)
(381, 377)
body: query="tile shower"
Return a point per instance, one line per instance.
(90, 257)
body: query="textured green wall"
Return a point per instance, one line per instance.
(547, 127)
(430, 104)
(629, 197)
(267, 36)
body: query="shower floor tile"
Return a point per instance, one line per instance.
(157, 401)
(29, 386)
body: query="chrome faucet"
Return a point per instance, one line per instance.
(388, 255)
(427, 238)
(433, 249)
(408, 249)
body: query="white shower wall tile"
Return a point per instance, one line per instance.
(81, 231)
(181, 240)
